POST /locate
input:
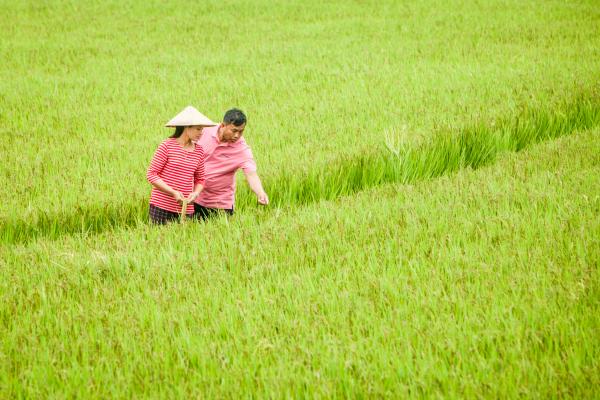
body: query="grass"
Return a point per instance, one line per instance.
(319, 82)
(456, 282)
(400, 162)
(365, 277)
(441, 153)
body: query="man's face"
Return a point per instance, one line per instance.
(231, 133)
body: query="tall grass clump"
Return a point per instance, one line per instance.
(444, 152)
(82, 219)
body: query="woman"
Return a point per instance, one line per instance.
(176, 171)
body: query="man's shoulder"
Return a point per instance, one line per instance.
(207, 137)
(245, 149)
(243, 144)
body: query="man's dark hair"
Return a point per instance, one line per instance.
(235, 117)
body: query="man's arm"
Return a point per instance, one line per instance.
(256, 186)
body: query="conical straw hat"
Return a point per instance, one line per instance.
(189, 117)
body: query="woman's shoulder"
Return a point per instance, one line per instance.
(167, 143)
(165, 147)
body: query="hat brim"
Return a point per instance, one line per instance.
(190, 117)
(204, 125)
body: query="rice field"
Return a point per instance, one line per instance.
(434, 175)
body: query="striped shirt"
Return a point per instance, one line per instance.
(178, 168)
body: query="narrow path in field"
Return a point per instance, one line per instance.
(393, 162)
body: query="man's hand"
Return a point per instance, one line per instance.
(263, 199)
(256, 186)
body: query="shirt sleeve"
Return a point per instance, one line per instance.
(199, 176)
(248, 165)
(158, 163)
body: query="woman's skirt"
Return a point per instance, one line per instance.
(159, 216)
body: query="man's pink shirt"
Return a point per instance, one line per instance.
(221, 162)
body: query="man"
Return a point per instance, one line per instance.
(226, 152)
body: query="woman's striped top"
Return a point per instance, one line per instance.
(178, 168)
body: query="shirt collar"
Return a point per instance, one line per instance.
(215, 135)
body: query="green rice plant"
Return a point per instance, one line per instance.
(81, 110)
(479, 284)
(366, 277)
(441, 153)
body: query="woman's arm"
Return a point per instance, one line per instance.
(156, 166)
(199, 178)
(163, 187)
(195, 193)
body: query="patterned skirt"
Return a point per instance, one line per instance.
(161, 217)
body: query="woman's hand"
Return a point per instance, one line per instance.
(178, 196)
(193, 196)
